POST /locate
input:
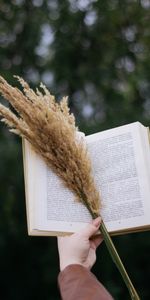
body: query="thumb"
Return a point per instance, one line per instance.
(91, 229)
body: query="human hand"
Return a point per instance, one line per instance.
(80, 247)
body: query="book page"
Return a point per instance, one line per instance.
(55, 207)
(121, 176)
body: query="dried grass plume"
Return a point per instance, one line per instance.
(51, 130)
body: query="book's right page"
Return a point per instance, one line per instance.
(121, 167)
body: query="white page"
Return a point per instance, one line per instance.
(55, 205)
(121, 174)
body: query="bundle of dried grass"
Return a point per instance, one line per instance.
(51, 130)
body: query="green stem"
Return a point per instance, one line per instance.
(113, 253)
(116, 259)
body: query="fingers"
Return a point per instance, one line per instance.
(97, 221)
(96, 241)
(91, 229)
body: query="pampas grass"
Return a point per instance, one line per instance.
(51, 130)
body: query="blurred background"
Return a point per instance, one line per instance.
(97, 53)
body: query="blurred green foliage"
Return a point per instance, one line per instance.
(98, 53)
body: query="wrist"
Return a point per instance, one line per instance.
(68, 263)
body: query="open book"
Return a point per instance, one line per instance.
(121, 167)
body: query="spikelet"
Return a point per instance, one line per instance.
(51, 130)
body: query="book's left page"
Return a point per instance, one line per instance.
(51, 207)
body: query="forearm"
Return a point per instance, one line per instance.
(77, 282)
